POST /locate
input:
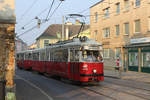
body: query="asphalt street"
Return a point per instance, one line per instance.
(33, 86)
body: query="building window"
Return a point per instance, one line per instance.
(118, 52)
(133, 59)
(126, 25)
(106, 32)
(106, 53)
(95, 34)
(106, 11)
(117, 30)
(46, 43)
(137, 26)
(126, 3)
(117, 8)
(138, 2)
(149, 24)
(96, 17)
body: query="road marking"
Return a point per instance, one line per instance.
(50, 98)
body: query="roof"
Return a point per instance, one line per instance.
(97, 3)
(137, 45)
(56, 29)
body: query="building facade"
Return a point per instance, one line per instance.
(7, 43)
(20, 45)
(116, 24)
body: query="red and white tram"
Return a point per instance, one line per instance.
(78, 59)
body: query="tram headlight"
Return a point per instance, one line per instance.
(94, 71)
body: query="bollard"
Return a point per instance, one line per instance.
(2, 89)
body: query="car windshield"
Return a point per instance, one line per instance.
(91, 56)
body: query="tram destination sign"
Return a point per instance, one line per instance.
(139, 40)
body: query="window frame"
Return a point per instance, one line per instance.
(135, 28)
(107, 32)
(116, 55)
(126, 5)
(125, 32)
(117, 27)
(96, 17)
(137, 3)
(108, 52)
(118, 8)
(45, 43)
(106, 12)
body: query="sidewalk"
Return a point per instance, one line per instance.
(130, 75)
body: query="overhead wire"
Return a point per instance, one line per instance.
(55, 10)
(44, 10)
(34, 2)
(50, 9)
(41, 22)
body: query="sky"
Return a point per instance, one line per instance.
(27, 10)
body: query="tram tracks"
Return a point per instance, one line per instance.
(98, 93)
(129, 93)
(105, 91)
(127, 85)
(135, 92)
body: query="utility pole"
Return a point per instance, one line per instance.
(63, 28)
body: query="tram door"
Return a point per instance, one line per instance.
(74, 64)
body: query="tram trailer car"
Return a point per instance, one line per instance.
(78, 59)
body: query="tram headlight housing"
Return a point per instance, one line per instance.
(85, 67)
(94, 71)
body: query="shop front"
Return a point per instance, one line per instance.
(139, 55)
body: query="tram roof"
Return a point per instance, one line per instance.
(75, 42)
(34, 50)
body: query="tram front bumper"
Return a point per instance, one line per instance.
(91, 77)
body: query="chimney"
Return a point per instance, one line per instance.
(67, 32)
(78, 22)
(69, 23)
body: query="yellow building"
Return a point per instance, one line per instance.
(54, 33)
(83, 33)
(50, 36)
(119, 25)
(33, 46)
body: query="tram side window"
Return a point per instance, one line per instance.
(71, 55)
(65, 55)
(74, 55)
(17, 58)
(26, 56)
(30, 56)
(36, 56)
(47, 55)
(58, 56)
(22, 56)
(51, 56)
(42, 56)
